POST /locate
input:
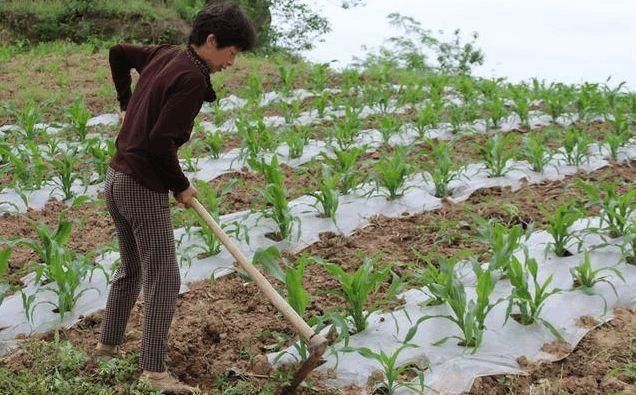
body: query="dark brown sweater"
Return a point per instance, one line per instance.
(172, 86)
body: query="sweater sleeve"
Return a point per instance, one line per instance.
(122, 59)
(173, 129)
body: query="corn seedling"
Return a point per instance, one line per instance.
(467, 88)
(27, 118)
(188, 159)
(556, 98)
(347, 129)
(496, 112)
(443, 170)
(320, 75)
(436, 276)
(585, 277)
(357, 287)
(576, 145)
(389, 126)
(254, 88)
(275, 195)
(497, 154)
(28, 305)
(296, 138)
(529, 300)
(612, 95)
(616, 209)
(559, 224)
(344, 164)
(287, 73)
(426, 118)
(469, 316)
(78, 115)
(255, 138)
(65, 164)
(350, 79)
(614, 142)
(502, 241)
(292, 276)
(5, 253)
(327, 196)
(101, 152)
(212, 202)
(536, 152)
(291, 111)
(456, 117)
(589, 100)
(67, 274)
(214, 141)
(391, 173)
(628, 246)
(391, 369)
(520, 97)
(321, 102)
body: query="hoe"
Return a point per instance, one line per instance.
(317, 343)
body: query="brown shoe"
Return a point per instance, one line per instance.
(105, 352)
(167, 384)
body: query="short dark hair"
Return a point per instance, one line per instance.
(228, 22)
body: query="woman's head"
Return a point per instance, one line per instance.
(229, 24)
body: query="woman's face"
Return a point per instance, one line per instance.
(219, 58)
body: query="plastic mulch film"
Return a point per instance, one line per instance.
(417, 198)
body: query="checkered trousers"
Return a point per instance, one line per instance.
(146, 244)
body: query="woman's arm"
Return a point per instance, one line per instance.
(122, 59)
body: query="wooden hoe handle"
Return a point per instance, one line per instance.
(281, 304)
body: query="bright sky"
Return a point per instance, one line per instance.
(557, 40)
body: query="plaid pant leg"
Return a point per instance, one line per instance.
(126, 282)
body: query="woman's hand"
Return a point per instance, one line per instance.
(185, 197)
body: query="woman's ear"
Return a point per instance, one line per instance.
(212, 40)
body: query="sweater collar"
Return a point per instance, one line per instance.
(204, 69)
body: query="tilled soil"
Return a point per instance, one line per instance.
(227, 324)
(594, 367)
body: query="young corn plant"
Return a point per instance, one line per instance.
(389, 126)
(468, 315)
(628, 247)
(27, 118)
(275, 195)
(344, 164)
(556, 99)
(391, 173)
(497, 154)
(496, 112)
(616, 210)
(391, 369)
(327, 196)
(558, 227)
(254, 88)
(292, 276)
(212, 202)
(214, 141)
(576, 146)
(536, 152)
(65, 164)
(346, 131)
(589, 100)
(357, 287)
(78, 115)
(436, 276)
(67, 274)
(296, 138)
(291, 111)
(256, 138)
(521, 98)
(502, 242)
(5, 254)
(287, 73)
(615, 142)
(50, 246)
(101, 152)
(426, 118)
(456, 117)
(443, 170)
(529, 300)
(585, 277)
(320, 103)
(320, 76)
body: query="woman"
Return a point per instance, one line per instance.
(158, 119)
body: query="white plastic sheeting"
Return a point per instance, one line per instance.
(416, 199)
